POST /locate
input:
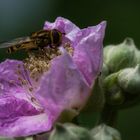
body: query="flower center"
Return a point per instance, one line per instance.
(38, 63)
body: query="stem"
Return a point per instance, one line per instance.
(34, 137)
(109, 116)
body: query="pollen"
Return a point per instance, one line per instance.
(69, 48)
(39, 62)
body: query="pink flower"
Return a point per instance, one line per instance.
(31, 104)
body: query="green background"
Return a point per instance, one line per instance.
(22, 17)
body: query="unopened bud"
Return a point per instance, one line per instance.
(120, 56)
(137, 56)
(105, 70)
(104, 132)
(129, 80)
(114, 95)
(69, 132)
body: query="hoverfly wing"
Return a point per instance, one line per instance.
(14, 42)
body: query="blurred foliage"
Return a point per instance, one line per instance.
(20, 18)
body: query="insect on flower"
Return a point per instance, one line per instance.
(48, 85)
(37, 40)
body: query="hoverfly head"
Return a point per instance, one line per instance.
(56, 37)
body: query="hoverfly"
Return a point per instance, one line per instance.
(37, 40)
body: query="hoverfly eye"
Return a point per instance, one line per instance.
(56, 37)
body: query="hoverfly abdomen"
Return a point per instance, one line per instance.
(16, 44)
(9, 50)
(13, 48)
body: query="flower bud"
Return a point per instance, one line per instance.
(114, 95)
(129, 80)
(120, 56)
(137, 56)
(69, 132)
(104, 132)
(105, 71)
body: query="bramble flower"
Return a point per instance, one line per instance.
(34, 92)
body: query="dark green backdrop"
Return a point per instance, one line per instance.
(21, 17)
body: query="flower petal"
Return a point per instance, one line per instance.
(12, 73)
(8, 70)
(9, 80)
(18, 114)
(19, 118)
(63, 87)
(88, 49)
